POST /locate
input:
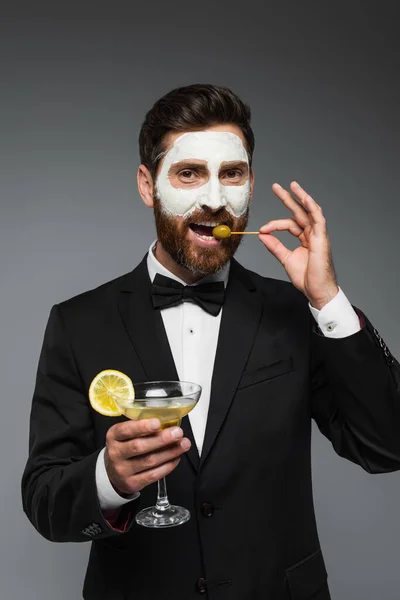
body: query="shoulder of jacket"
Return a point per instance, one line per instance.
(91, 299)
(269, 284)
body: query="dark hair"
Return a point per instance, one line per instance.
(191, 108)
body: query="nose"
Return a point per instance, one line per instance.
(212, 209)
(215, 199)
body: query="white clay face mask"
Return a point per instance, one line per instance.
(214, 147)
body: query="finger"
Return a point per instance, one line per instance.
(146, 444)
(299, 212)
(314, 210)
(129, 430)
(276, 247)
(283, 225)
(138, 482)
(155, 459)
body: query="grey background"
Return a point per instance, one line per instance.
(323, 83)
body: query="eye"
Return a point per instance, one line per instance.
(233, 174)
(187, 174)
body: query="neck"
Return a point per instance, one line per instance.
(165, 259)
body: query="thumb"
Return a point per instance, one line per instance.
(275, 246)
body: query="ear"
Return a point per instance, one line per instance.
(251, 183)
(145, 185)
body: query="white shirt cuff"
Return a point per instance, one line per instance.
(337, 319)
(109, 499)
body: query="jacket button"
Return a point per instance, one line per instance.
(207, 509)
(201, 585)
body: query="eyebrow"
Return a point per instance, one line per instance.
(202, 164)
(189, 164)
(233, 163)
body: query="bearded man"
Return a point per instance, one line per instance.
(270, 355)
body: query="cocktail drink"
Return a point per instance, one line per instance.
(168, 401)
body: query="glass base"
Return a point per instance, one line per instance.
(168, 517)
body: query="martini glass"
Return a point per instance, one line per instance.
(168, 401)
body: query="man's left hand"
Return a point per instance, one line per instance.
(310, 266)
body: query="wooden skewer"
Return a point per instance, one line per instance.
(244, 232)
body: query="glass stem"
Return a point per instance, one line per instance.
(162, 497)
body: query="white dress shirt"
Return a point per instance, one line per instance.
(193, 334)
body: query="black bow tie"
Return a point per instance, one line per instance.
(167, 292)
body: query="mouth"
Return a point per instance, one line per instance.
(205, 228)
(202, 234)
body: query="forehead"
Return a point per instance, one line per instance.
(215, 146)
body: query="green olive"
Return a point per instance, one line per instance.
(221, 232)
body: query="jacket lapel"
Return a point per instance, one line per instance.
(239, 324)
(145, 328)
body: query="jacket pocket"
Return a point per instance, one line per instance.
(279, 367)
(307, 577)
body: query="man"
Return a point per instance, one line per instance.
(269, 357)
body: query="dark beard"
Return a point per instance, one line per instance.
(202, 261)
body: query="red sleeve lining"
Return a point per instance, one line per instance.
(361, 318)
(117, 519)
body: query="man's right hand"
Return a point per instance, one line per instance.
(138, 453)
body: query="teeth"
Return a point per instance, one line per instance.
(205, 237)
(208, 224)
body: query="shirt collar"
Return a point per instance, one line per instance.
(154, 267)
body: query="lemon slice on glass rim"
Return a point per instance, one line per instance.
(104, 385)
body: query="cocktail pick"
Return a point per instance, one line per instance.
(223, 231)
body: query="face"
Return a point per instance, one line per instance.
(203, 181)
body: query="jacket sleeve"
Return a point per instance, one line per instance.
(59, 491)
(355, 397)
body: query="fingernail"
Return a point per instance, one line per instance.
(185, 444)
(154, 424)
(176, 432)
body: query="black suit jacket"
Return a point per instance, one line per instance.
(252, 535)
